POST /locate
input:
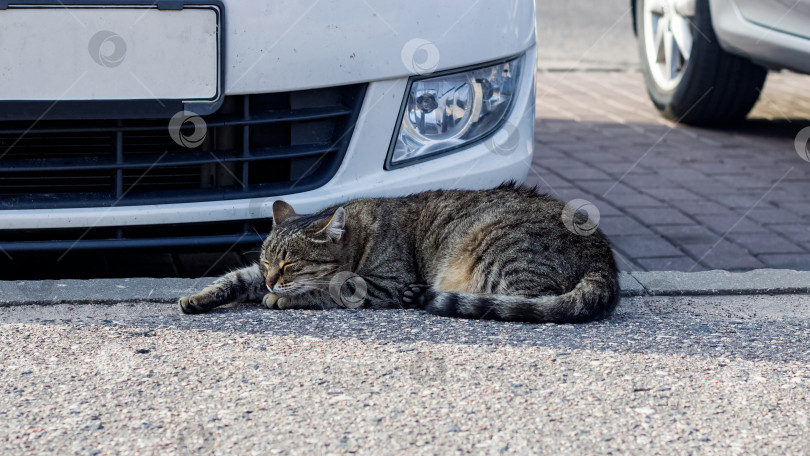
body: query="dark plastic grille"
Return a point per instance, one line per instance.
(177, 237)
(256, 145)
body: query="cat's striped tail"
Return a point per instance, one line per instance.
(593, 298)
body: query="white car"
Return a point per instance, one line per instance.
(705, 61)
(177, 123)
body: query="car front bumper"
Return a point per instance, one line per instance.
(290, 46)
(768, 46)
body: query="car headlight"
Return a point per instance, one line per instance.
(442, 113)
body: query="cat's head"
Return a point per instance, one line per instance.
(302, 252)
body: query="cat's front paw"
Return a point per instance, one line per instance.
(189, 305)
(274, 301)
(270, 300)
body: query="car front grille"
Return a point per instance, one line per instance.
(255, 146)
(198, 237)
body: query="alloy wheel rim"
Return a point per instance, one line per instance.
(668, 39)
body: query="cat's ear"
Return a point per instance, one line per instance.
(281, 212)
(336, 225)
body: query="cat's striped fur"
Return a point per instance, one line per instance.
(501, 254)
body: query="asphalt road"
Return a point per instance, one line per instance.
(710, 375)
(585, 35)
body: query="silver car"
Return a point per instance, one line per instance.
(705, 61)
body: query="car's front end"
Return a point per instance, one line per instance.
(309, 102)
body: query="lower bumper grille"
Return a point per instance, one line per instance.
(235, 234)
(255, 145)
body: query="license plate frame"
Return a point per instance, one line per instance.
(93, 65)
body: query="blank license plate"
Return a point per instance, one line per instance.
(114, 53)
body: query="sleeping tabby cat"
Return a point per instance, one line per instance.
(502, 254)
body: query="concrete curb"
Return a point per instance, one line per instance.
(657, 283)
(97, 291)
(718, 282)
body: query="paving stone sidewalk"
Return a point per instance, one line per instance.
(673, 197)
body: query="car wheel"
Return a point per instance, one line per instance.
(689, 78)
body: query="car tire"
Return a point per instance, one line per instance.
(713, 86)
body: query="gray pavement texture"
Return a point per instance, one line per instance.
(674, 197)
(665, 375)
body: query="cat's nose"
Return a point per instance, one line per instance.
(270, 284)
